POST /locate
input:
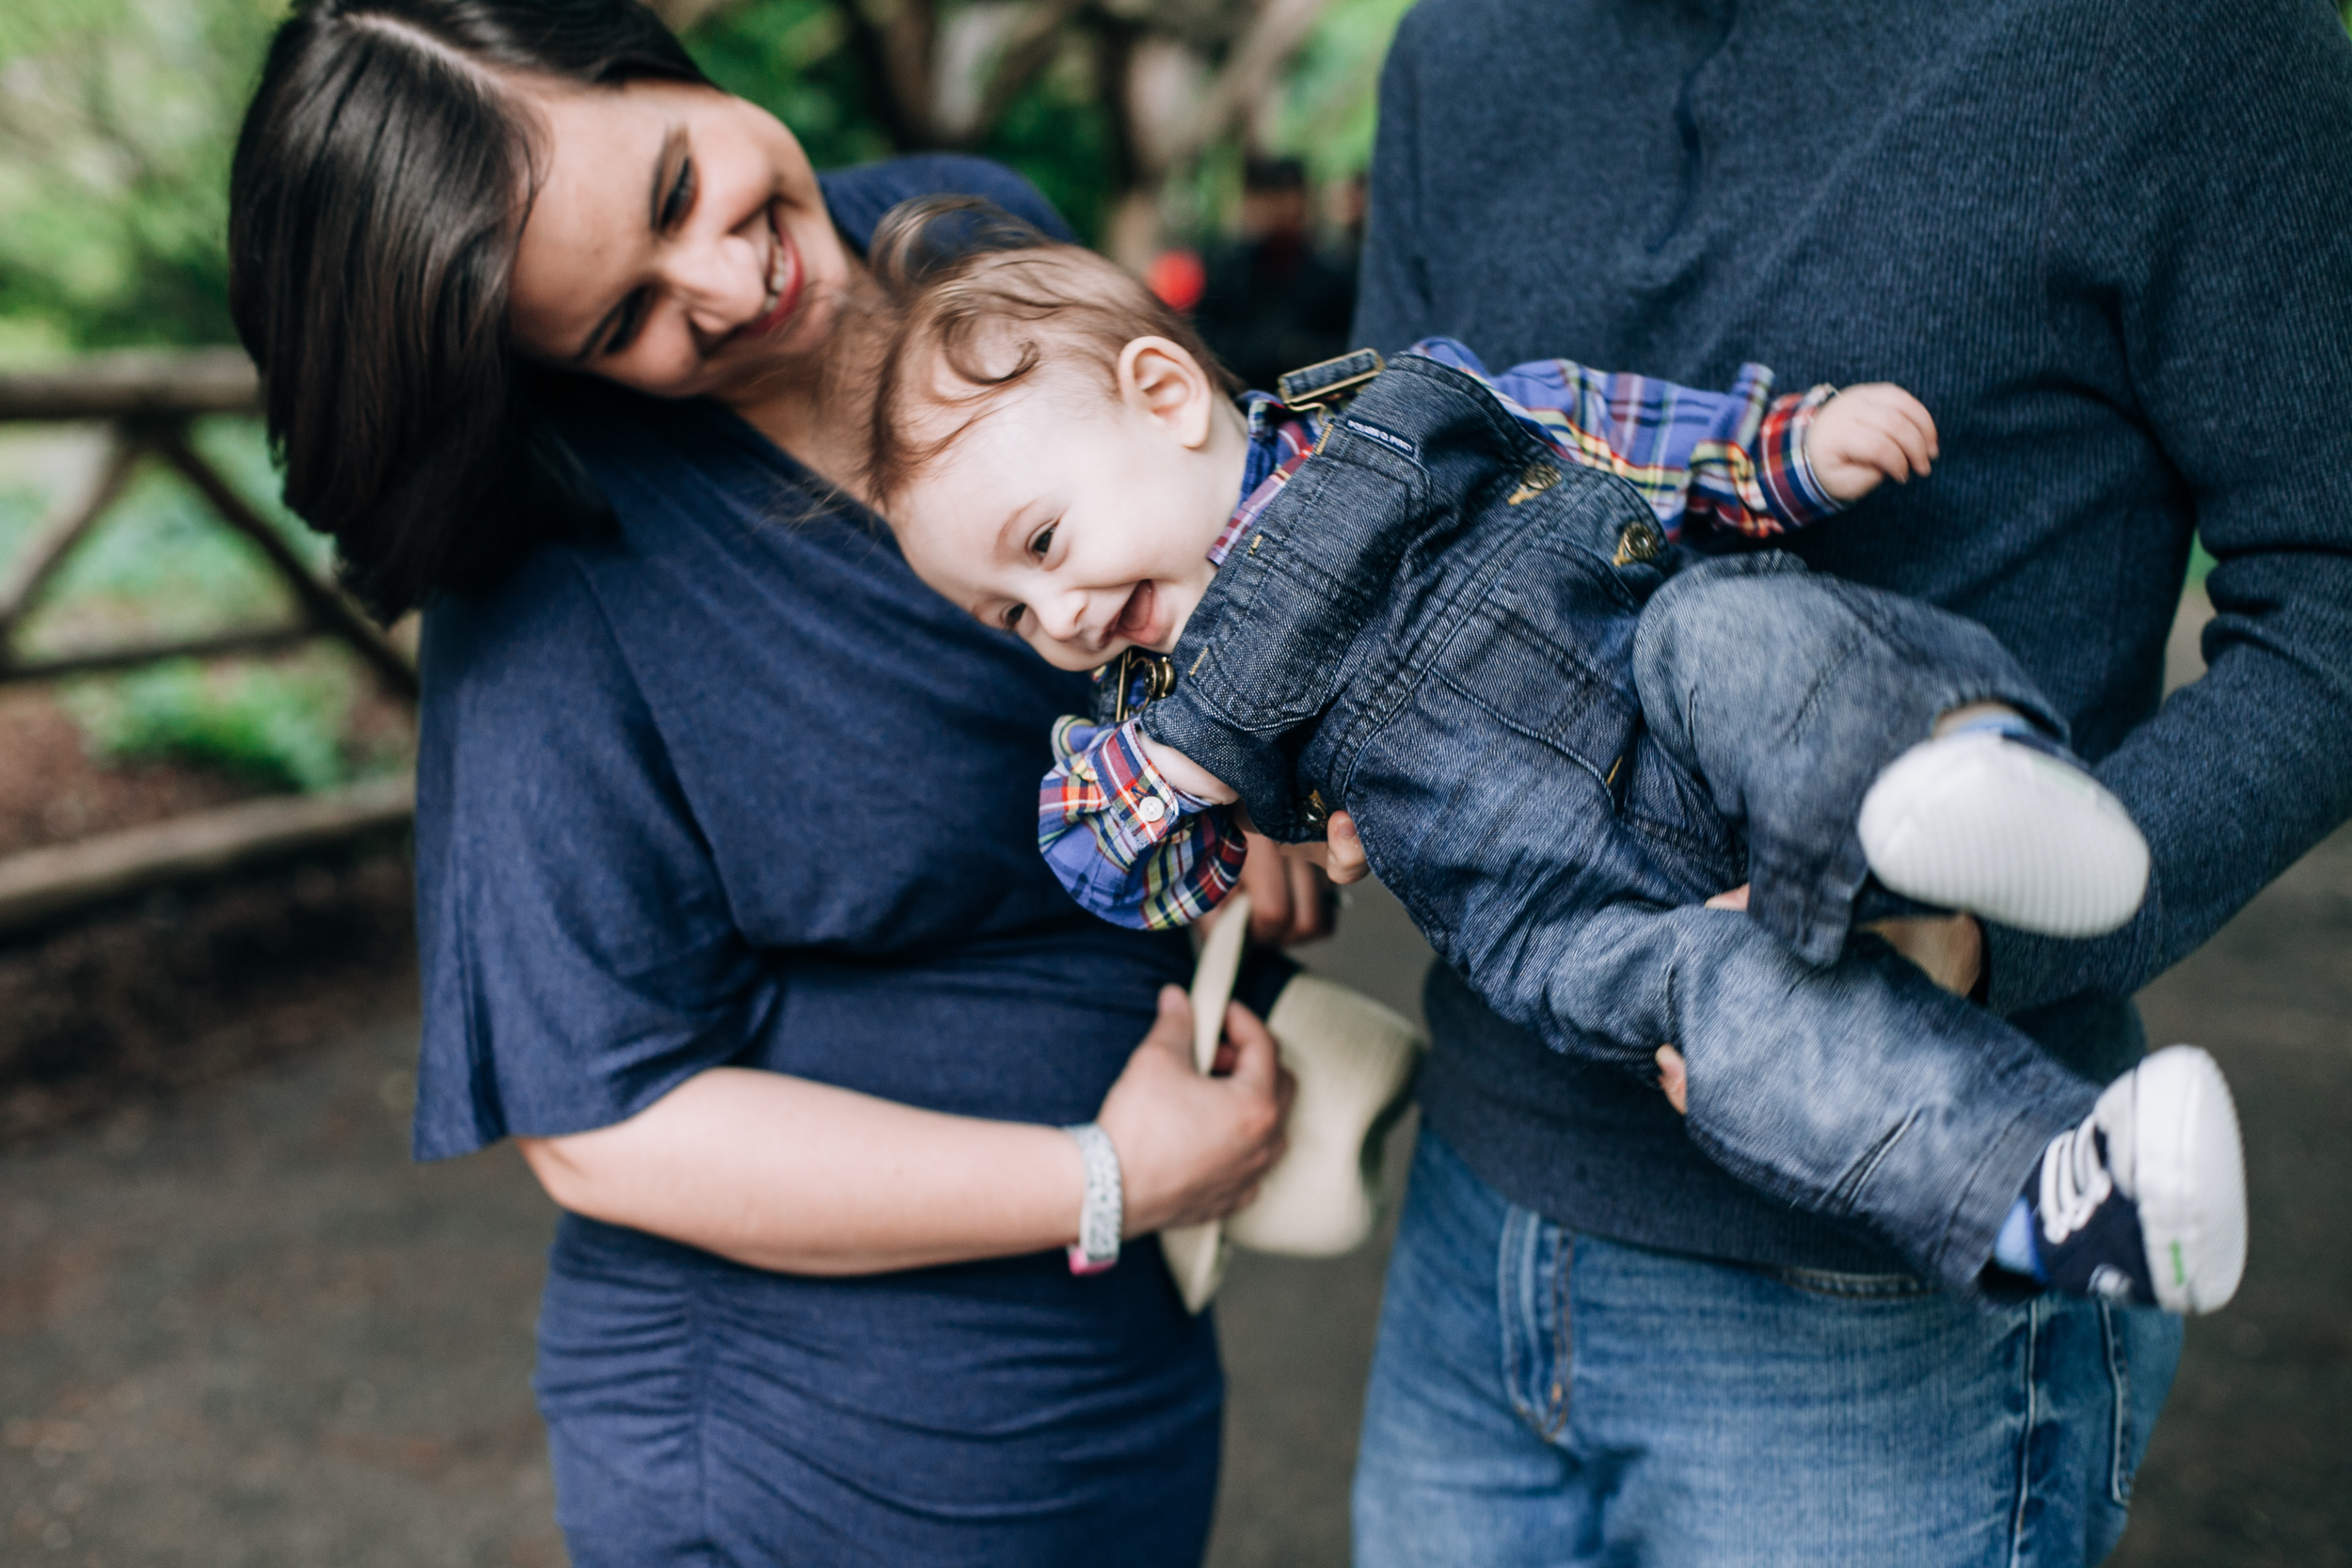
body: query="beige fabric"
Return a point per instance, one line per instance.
(1353, 1059)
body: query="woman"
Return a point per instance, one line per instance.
(729, 904)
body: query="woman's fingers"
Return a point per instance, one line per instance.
(1172, 1030)
(1736, 899)
(1674, 1079)
(1190, 1147)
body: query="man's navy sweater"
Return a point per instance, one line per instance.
(2108, 242)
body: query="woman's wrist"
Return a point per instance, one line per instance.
(1102, 1209)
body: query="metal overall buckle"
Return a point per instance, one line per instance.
(1328, 381)
(1322, 387)
(1155, 672)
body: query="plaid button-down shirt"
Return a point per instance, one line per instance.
(1139, 851)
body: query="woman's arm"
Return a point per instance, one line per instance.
(801, 1177)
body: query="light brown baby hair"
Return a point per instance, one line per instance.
(978, 301)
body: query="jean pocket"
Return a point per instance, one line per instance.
(1538, 1360)
(1847, 1284)
(2121, 1457)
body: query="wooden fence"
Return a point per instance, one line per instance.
(147, 402)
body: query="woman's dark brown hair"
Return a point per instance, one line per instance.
(969, 288)
(380, 187)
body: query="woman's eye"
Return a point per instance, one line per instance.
(632, 317)
(1043, 542)
(681, 198)
(1012, 616)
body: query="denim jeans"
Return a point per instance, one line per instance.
(1543, 1397)
(1558, 737)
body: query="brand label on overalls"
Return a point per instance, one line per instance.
(1404, 446)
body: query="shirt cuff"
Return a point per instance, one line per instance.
(1140, 808)
(1791, 485)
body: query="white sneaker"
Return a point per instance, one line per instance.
(2145, 1201)
(2007, 828)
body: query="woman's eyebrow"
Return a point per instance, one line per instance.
(672, 149)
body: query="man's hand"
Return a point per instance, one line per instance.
(1867, 434)
(1950, 947)
(1340, 856)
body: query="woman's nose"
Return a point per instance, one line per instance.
(717, 279)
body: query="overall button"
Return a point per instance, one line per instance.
(1313, 812)
(1534, 479)
(1641, 541)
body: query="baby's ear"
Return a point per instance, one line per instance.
(1162, 380)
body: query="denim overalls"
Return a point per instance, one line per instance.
(1558, 735)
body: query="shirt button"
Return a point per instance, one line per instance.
(1151, 808)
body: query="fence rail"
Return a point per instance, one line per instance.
(147, 401)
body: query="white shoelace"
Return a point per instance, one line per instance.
(2074, 1182)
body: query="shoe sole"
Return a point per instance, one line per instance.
(1973, 822)
(2187, 1175)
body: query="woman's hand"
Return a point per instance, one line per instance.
(1950, 947)
(1193, 1148)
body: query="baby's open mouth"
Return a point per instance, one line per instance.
(1136, 617)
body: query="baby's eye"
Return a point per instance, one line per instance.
(1043, 542)
(1012, 616)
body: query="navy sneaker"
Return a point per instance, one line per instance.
(2145, 1201)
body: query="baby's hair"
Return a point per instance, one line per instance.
(990, 298)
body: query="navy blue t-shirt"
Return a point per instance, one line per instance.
(733, 788)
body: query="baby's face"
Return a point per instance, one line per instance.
(1080, 520)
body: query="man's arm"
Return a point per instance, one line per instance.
(2208, 226)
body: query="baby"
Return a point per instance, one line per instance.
(1455, 606)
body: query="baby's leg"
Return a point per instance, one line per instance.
(1796, 698)
(1861, 1090)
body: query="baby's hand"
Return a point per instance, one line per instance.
(1866, 433)
(1188, 775)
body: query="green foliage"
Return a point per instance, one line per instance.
(1060, 137)
(1324, 112)
(792, 58)
(795, 59)
(278, 726)
(117, 122)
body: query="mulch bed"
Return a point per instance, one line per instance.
(139, 1006)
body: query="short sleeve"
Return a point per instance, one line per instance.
(579, 957)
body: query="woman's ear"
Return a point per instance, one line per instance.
(1162, 381)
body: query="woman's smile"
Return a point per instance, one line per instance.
(784, 280)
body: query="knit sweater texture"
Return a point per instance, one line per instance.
(2108, 243)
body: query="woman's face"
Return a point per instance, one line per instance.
(676, 243)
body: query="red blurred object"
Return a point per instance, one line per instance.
(1178, 278)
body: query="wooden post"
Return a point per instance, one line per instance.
(148, 401)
